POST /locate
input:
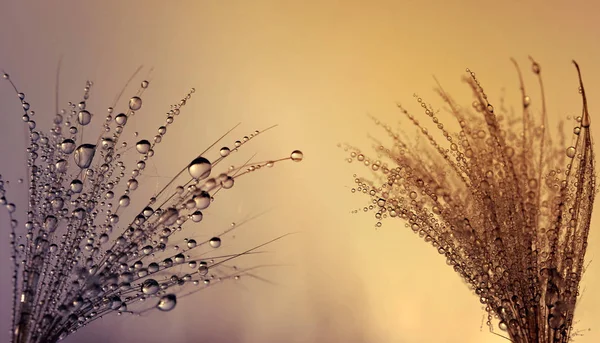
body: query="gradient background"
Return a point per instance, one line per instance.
(315, 68)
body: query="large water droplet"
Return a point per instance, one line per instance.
(84, 117)
(224, 151)
(199, 168)
(76, 186)
(571, 152)
(150, 286)
(84, 155)
(121, 119)
(135, 103)
(167, 302)
(202, 200)
(142, 146)
(50, 223)
(296, 155)
(215, 242)
(67, 146)
(228, 182)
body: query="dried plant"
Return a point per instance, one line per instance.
(506, 206)
(79, 256)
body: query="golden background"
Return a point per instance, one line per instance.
(316, 68)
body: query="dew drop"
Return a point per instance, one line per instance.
(296, 155)
(121, 119)
(200, 168)
(228, 182)
(224, 151)
(142, 146)
(124, 201)
(135, 103)
(196, 216)
(150, 286)
(67, 146)
(167, 302)
(571, 152)
(215, 242)
(84, 155)
(76, 186)
(84, 117)
(202, 200)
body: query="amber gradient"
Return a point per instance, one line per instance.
(316, 68)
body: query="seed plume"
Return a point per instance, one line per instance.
(80, 254)
(505, 201)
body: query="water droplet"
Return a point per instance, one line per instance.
(153, 267)
(224, 151)
(150, 286)
(67, 146)
(84, 117)
(142, 146)
(228, 182)
(202, 200)
(200, 168)
(121, 119)
(145, 84)
(571, 152)
(167, 302)
(296, 155)
(215, 242)
(76, 186)
(135, 103)
(196, 216)
(84, 155)
(124, 201)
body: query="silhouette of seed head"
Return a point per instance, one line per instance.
(80, 255)
(507, 205)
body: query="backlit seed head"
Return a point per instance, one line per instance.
(90, 246)
(507, 206)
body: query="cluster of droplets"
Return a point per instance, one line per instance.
(509, 209)
(75, 258)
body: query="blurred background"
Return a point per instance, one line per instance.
(316, 68)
